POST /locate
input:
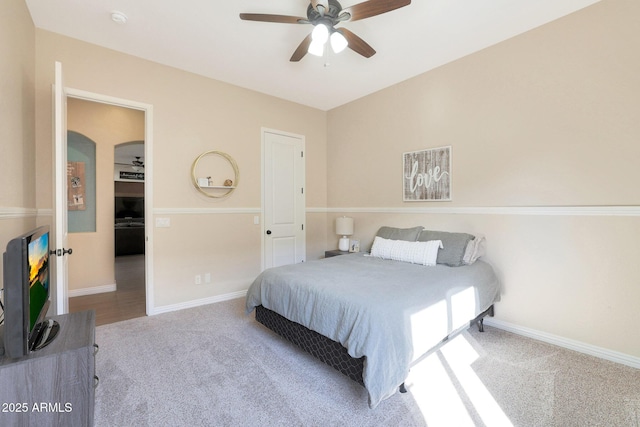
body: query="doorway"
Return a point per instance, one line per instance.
(122, 292)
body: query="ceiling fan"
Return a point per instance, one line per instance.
(324, 15)
(136, 164)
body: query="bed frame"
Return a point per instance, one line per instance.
(325, 349)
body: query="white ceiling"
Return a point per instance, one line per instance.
(207, 37)
(125, 154)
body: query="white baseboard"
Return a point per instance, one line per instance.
(198, 302)
(592, 350)
(91, 291)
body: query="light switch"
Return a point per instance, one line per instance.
(163, 222)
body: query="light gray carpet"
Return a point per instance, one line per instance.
(215, 366)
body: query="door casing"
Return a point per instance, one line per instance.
(62, 302)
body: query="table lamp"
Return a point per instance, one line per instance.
(344, 228)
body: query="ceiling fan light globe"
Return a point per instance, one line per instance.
(338, 42)
(316, 48)
(320, 34)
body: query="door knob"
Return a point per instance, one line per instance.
(61, 252)
(268, 231)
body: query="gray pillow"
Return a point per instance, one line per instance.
(392, 233)
(454, 246)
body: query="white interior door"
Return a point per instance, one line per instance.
(284, 198)
(60, 190)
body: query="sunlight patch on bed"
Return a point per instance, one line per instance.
(463, 307)
(428, 326)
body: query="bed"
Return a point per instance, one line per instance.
(369, 316)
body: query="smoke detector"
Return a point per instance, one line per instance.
(119, 17)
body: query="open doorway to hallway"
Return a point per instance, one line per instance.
(102, 275)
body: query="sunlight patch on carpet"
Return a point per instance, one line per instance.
(446, 388)
(460, 355)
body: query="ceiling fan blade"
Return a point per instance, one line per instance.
(356, 44)
(371, 8)
(263, 17)
(302, 49)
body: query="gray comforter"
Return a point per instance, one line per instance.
(392, 312)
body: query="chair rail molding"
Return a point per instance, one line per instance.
(631, 210)
(203, 211)
(12, 213)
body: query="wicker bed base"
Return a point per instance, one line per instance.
(325, 349)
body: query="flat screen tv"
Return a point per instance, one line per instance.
(26, 294)
(129, 207)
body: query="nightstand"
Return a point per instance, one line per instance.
(335, 252)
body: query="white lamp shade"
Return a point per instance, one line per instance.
(338, 42)
(316, 48)
(320, 34)
(344, 226)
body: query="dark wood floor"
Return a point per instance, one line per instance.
(127, 302)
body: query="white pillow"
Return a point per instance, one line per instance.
(424, 253)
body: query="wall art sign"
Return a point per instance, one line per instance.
(76, 186)
(427, 175)
(138, 176)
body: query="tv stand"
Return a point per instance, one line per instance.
(47, 331)
(55, 385)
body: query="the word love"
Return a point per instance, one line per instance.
(425, 179)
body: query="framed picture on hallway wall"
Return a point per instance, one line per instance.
(427, 175)
(76, 186)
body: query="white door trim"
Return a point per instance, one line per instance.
(148, 171)
(263, 132)
(60, 186)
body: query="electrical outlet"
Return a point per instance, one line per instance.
(198, 279)
(207, 277)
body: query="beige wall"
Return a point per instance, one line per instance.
(17, 118)
(191, 114)
(107, 125)
(546, 119)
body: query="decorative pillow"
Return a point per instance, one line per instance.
(393, 233)
(475, 249)
(424, 253)
(454, 246)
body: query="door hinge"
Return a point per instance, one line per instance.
(302, 227)
(302, 154)
(302, 190)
